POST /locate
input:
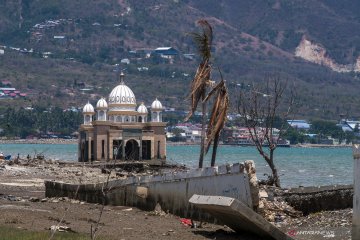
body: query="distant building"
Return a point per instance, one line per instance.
(189, 56)
(125, 61)
(121, 130)
(299, 124)
(59, 37)
(166, 52)
(6, 83)
(142, 52)
(348, 125)
(2, 51)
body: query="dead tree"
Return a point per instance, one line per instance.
(201, 80)
(217, 117)
(198, 93)
(259, 108)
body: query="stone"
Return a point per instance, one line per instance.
(237, 216)
(11, 198)
(263, 194)
(253, 181)
(34, 199)
(142, 192)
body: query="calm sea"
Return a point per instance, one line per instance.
(297, 166)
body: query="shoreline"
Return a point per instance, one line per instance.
(40, 141)
(75, 141)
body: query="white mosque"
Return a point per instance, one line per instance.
(119, 129)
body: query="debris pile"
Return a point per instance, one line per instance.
(273, 207)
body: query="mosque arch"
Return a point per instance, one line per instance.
(132, 150)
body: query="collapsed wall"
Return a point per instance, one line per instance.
(322, 198)
(172, 190)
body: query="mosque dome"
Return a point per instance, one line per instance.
(88, 108)
(101, 104)
(142, 109)
(122, 97)
(156, 105)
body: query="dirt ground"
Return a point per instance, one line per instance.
(23, 205)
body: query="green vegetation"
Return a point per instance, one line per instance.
(20, 234)
(320, 130)
(38, 121)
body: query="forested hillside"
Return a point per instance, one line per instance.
(55, 45)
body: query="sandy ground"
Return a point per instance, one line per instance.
(23, 205)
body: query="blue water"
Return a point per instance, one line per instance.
(297, 166)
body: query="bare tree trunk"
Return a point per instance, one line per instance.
(213, 157)
(274, 171)
(203, 134)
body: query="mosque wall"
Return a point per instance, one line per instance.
(121, 133)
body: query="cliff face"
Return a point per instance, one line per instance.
(315, 53)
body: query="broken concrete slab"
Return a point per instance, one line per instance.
(237, 216)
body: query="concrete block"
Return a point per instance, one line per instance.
(128, 181)
(209, 172)
(223, 169)
(169, 177)
(180, 175)
(146, 179)
(235, 168)
(197, 172)
(157, 178)
(237, 216)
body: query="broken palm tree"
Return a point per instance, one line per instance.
(201, 80)
(218, 116)
(199, 87)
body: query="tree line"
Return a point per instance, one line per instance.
(38, 121)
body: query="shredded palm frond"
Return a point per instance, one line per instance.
(218, 113)
(201, 79)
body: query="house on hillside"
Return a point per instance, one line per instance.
(125, 61)
(166, 52)
(299, 124)
(348, 125)
(6, 83)
(141, 53)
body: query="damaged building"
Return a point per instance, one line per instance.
(119, 129)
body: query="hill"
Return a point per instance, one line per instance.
(84, 40)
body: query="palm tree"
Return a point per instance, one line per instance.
(218, 116)
(201, 80)
(199, 87)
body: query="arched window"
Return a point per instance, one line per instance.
(101, 116)
(153, 116)
(118, 119)
(140, 118)
(127, 119)
(87, 119)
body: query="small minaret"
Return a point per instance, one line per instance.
(156, 111)
(143, 112)
(88, 112)
(101, 109)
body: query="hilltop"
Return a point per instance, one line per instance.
(59, 48)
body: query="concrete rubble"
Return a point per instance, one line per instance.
(237, 216)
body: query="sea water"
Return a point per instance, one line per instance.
(296, 166)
